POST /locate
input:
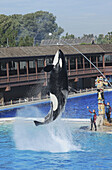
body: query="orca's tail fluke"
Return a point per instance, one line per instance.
(37, 123)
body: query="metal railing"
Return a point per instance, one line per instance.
(22, 101)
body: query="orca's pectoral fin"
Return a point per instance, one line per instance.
(37, 123)
(48, 68)
(65, 92)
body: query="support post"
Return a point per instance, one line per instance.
(68, 66)
(103, 61)
(104, 64)
(18, 66)
(45, 72)
(97, 61)
(76, 64)
(90, 62)
(83, 64)
(27, 68)
(36, 68)
(7, 66)
(1, 99)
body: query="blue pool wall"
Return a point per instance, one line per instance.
(76, 107)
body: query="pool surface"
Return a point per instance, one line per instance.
(59, 145)
(86, 150)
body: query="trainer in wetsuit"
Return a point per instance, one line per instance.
(108, 111)
(93, 119)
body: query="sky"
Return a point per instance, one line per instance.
(76, 17)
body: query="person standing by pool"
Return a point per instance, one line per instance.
(93, 119)
(108, 111)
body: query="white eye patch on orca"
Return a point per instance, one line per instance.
(56, 58)
(54, 101)
(60, 62)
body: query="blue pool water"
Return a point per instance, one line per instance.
(59, 145)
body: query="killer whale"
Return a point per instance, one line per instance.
(58, 87)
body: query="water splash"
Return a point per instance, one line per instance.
(53, 137)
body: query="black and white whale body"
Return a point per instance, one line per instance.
(58, 87)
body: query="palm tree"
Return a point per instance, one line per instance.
(109, 35)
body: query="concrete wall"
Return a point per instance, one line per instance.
(22, 92)
(15, 93)
(84, 83)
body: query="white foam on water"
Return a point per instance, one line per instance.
(53, 137)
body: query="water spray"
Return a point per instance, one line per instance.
(86, 59)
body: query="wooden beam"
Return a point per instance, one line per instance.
(83, 64)
(44, 62)
(103, 61)
(45, 72)
(76, 64)
(18, 66)
(96, 61)
(68, 66)
(36, 68)
(7, 67)
(104, 64)
(27, 69)
(90, 63)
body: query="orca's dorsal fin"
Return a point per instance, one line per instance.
(48, 68)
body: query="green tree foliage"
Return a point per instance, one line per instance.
(68, 36)
(26, 41)
(9, 27)
(107, 39)
(88, 38)
(26, 30)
